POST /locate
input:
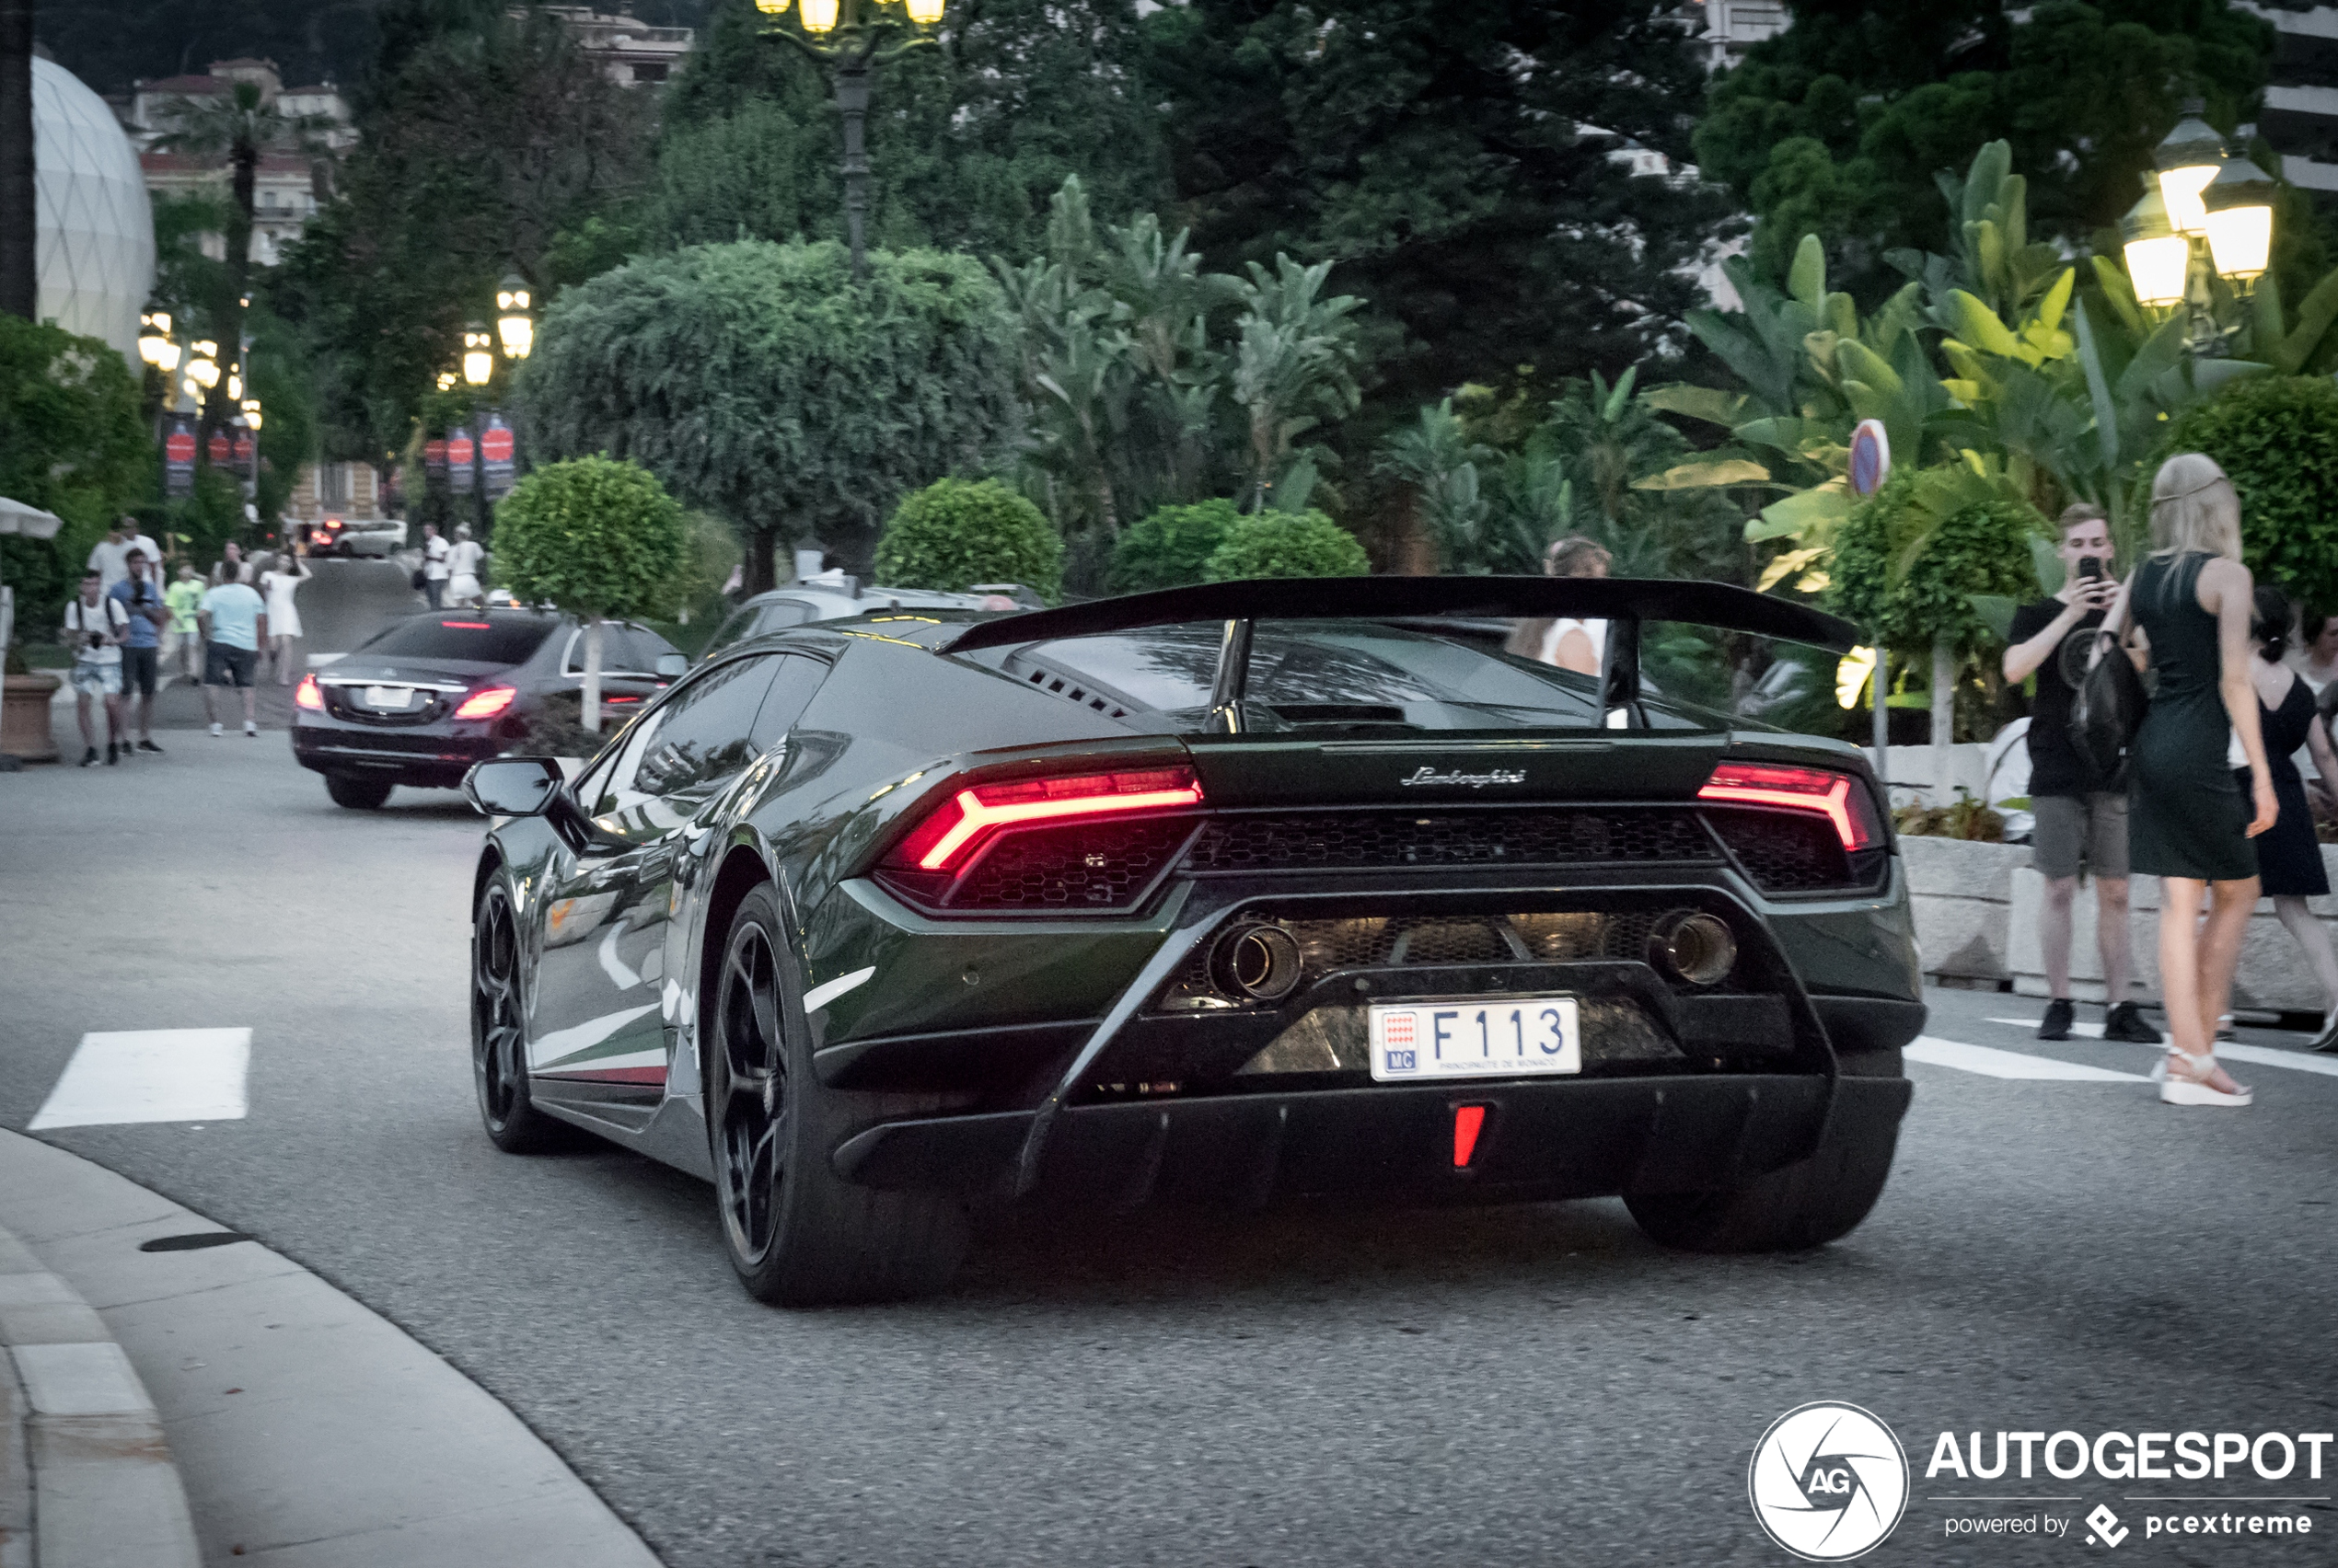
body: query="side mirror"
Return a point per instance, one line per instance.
(512, 785)
(672, 666)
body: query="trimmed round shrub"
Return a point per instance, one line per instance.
(1170, 548)
(957, 533)
(1979, 543)
(593, 535)
(1287, 544)
(2277, 437)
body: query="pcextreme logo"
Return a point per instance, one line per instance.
(1829, 1481)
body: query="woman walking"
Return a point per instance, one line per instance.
(1567, 641)
(2288, 856)
(2192, 601)
(277, 586)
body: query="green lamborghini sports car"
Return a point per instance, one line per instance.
(1230, 892)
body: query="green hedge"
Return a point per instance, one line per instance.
(1170, 548)
(2277, 437)
(957, 533)
(1287, 544)
(1980, 546)
(593, 535)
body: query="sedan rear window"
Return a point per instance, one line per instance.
(489, 639)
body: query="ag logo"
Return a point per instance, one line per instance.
(1828, 1482)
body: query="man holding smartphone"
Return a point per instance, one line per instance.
(2082, 820)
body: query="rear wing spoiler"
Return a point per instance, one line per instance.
(1623, 602)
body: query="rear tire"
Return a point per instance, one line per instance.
(1804, 1205)
(498, 1033)
(798, 1234)
(357, 794)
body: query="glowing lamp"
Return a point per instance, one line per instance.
(2187, 159)
(447, 379)
(251, 412)
(2238, 203)
(512, 323)
(2159, 259)
(925, 13)
(819, 17)
(234, 387)
(772, 7)
(478, 355)
(204, 369)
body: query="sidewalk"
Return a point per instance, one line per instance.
(216, 1381)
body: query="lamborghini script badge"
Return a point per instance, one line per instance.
(1425, 774)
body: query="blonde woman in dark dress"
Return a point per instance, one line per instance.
(2190, 605)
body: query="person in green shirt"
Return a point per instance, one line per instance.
(182, 645)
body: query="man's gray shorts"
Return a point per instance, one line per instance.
(2075, 830)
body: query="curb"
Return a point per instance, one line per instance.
(85, 1473)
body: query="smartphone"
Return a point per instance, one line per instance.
(2089, 567)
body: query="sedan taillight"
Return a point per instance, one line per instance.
(487, 703)
(309, 696)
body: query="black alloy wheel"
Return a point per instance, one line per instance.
(798, 1234)
(499, 1032)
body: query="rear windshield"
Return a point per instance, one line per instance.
(489, 639)
(1365, 676)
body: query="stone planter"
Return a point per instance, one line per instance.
(1959, 892)
(23, 717)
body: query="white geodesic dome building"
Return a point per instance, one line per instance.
(97, 255)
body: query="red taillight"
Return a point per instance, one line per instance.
(947, 839)
(306, 695)
(1822, 791)
(486, 704)
(465, 626)
(1468, 1122)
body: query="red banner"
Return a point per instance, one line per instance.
(222, 449)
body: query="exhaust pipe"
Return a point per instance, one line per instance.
(1260, 962)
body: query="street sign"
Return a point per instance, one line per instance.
(434, 462)
(1871, 457)
(460, 454)
(495, 449)
(178, 456)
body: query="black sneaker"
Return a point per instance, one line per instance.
(2056, 1025)
(113, 755)
(90, 757)
(148, 745)
(2126, 1023)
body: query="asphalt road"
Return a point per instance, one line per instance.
(1307, 1386)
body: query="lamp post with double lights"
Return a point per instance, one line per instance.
(2205, 214)
(858, 30)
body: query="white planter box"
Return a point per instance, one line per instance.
(1961, 893)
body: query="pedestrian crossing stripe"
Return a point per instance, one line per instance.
(1991, 1063)
(150, 1075)
(2257, 1055)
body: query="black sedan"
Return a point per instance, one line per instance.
(1224, 892)
(421, 701)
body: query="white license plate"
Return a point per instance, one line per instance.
(389, 697)
(1515, 1037)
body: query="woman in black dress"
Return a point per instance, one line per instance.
(2188, 824)
(2289, 856)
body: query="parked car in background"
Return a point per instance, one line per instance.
(804, 603)
(421, 701)
(380, 538)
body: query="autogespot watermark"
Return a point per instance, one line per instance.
(1829, 1481)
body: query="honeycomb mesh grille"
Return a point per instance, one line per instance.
(1785, 851)
(1087, 866)
(1374, 840)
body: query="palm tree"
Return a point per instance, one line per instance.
(243, 127)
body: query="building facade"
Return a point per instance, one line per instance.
(346, 490)
(2301, 113)
(633, 52)
(286, 189)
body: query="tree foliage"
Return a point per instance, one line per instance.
(760, 382)
(954, 534)
(1460, 166)
(2278, 438)
(1909, 559)
(593, 535)
(1285, 544)
(490, 142)
(1837, 125)
(1170, 548)
(73, 442)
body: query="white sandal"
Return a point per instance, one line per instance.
(2175, 1090)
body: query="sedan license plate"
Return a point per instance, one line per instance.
(1515, 1037)
(395, 699)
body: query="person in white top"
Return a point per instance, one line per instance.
(434, 568)
(95, 624)
(277, 586)
(462, 568)
(110, 556)
(1567, 641)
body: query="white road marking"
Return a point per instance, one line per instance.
(150, 1075)
(1991, 1063)
(820, 996)
(2262, 1056)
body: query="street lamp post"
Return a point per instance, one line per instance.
(2206, 213)
(860, 28)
